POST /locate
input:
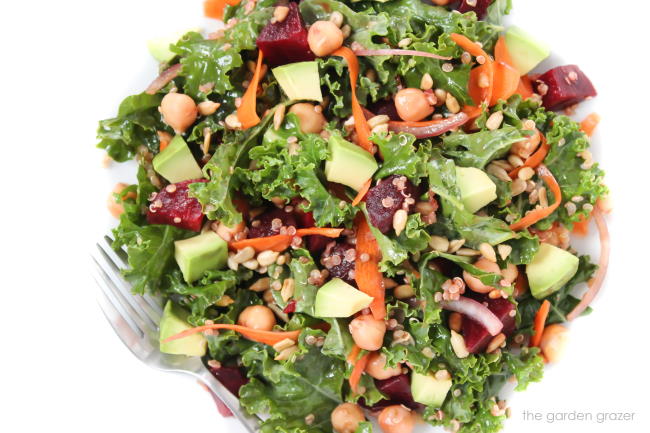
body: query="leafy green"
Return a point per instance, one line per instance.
(304, 292)
(400, 156)
(527, 366)
(497, 10)
(479, 148)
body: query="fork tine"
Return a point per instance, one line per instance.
(140, 307)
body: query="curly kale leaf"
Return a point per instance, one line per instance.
(400, 156)
(479, 148)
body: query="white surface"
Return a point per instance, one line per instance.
(67, 64)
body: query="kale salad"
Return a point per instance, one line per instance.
(360, 209)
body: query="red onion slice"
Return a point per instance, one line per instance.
(163, 79)
(477, 311)
(603, 263)
(429, 129)
(397, 52)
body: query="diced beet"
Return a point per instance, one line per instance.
(566, 86)
(314, 243)
(336, 260)
(262, 226)
(479, 6)
(172, 206)
(231, 377)
(285, 42)
(386, 107)
(476, 336)
(388, 192)
(291, 307)
(398, 391)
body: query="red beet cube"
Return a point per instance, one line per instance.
(398, 391)
(231, 377)
(173, 206)
(563, 87)
(285, 42)
(478, 6)
(270, 222)
(385, 198)
(476, 336)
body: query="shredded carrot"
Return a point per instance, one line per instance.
(521, 284)
(525, 87)
(362, 192)
(354, 354)
(472, 111)
(506, 82)
(277, 243)
(246, 112)
(501, 52)
(360, 123)
(588, 125)
(357, 371)
(539, 214)
(581, 228)
(366, 273)
(535, 159)
(214, 8)
(322, 231)
(481, 73)
(539, 322)
(266, 337)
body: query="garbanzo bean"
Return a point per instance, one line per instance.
(324, 37)
(311, 120)
(554, 340)
(396, 419)
(376, 367)
(476, 284)
(367, 332)
(257, 317)
(346, 417)
(510, 273)
(179, 111)
(116, 208)
(412, 105)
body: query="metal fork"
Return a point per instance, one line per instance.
(135, 320)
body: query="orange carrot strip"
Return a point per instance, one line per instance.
(360, 123)
(472, 111)
(354, 354)
(581, 228)
(322, 231)
(266, 337)
(362, 192)
(246, 112)
(366, 273)
(501, 52)
(521, 284)
(525, 87)
(539, 214)
(539, 322)
(505, 84)
(214, 8)
(277, 243)
(357, 371)
(479, 94)
(588, 125)
(535, 159)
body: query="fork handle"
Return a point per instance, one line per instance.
(251, 423)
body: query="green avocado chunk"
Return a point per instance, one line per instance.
(299, 81)
(159, 47)
(428, 390)
(336, 298)
(525, 51)
(176, 163)
(550, 269)
(172, 322)
(348, 163)
(476, 188)
(199, 254)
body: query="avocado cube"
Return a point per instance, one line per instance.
(176, 163)
(336, 298)
(476, 188)
(428, 390)
(550, 269)
(526, 52)
(348, 163)
(199, 254)
(173, 321)
(299, 81)
(159, 47)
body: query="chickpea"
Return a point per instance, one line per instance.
(346, 417)
(324, 38)
(228, 233)
(476, 284)
(367, 332)
(510, 273)
(257, 317)
(311, 121)
(412, 105)
(554, 340)
(396, 419)
(376, 367)
(179, 111)
(114, 207)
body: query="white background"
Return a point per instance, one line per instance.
(65, 64)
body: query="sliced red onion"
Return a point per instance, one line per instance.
(163, 79)
(398, 52)
(429, 129)
(603, 263)
(477, 311)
